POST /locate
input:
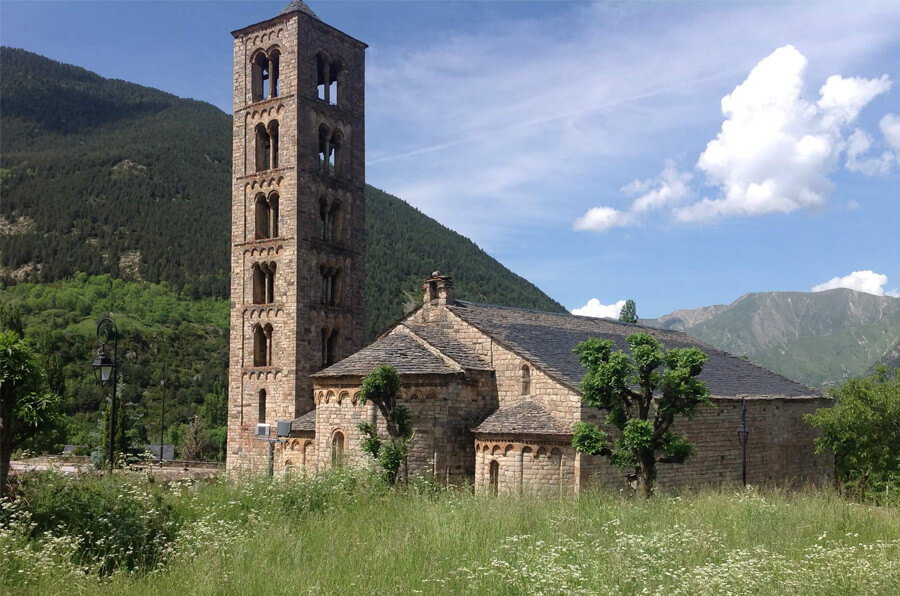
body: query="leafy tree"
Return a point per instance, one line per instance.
(382, 387)
(628, 314)
(862, 430)
(25, 403)
(625, 387)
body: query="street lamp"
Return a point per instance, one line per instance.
(743, 436)
(105, 371)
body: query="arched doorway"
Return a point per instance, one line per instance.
(494, 476)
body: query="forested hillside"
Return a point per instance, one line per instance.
(105, 176)
(116, 199)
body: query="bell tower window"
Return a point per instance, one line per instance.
(262, 345)
(262, 406)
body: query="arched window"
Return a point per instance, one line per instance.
(335, 156)
(329, 220)
(263, 218)
(331, 286)
(259, 284)
(331, 352)
(526, 380)
(335, 77)
(273, 138)
(494, 476)
(324, 347)
(274, 70)
(260, 346)
(262, 406)
(259, 77)
(322, 76)
(273, 215)
(263, 148)
(270, 283)
(337, 449)
(324, 150)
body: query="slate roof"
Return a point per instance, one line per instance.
(526, 417)
(439, 337)
(307, 422)
(298, 6)
(547, 340)
(399, 350)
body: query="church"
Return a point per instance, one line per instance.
(493, 391)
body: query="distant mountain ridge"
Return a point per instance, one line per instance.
(104, 176)
(819, 338)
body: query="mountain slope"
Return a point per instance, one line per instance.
(818, 338)
(104, 176)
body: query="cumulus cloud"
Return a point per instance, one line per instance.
(594, 308)
(890, 128)
(670, 187)
(775, 149)
(862, 281)
(858, 145)
(602, 219)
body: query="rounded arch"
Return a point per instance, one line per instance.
(338, 440)
(329, 396)
(494, 477)
(342, 396)
(541, 452)
(495, 450)
(508, 450)
(526, 380)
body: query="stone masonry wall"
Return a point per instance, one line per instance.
(545, 467)
(780, 450)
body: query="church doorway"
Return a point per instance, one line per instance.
(494, 476)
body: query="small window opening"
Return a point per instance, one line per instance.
(335, 161)
(273, 215)
(526, 380)
(337, 449)
(259, 77)
(262, 406)
(321, 76)
(263, 218)
(261, 348)
(494, 477)
(259, 282)
(332, 350)
(335, 73)
(324, 347)
(273, 143)
(274, 67)
(324, 150)
(263, 148)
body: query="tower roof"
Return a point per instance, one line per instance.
(298, 6)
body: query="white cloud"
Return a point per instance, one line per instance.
(776, 149)
(861, 281)
(594, 308)
(890, 128)
(670, 187)
(602, 219)
(858, 145)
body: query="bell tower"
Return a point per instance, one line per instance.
(298, 216)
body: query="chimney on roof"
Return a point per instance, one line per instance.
(438, 290)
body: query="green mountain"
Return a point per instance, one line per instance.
(818, 338)
(107, 177)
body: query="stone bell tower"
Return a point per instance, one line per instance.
(298, 217)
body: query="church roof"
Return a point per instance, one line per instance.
(307, 422)
(298, 6)
(399, 350)
(547, 340)
(525, 418)
(439, 337)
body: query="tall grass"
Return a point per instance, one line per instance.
(346, 533)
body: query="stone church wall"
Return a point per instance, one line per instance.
(780, 450)
(443, 407)
(536, 467)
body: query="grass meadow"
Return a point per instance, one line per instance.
(346, 533)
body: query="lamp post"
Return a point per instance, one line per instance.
(743, 436)
(105, 372)
(162, 415)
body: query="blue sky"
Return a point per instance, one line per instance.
(680, 154)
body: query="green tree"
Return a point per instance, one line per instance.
(26, 405)
(862, 430)
(628, 314)
(381, 387)
(625, 387)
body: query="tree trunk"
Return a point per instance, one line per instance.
(7, 397)
(646, 476)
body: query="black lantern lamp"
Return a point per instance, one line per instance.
(105, 371)
(103, 367)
